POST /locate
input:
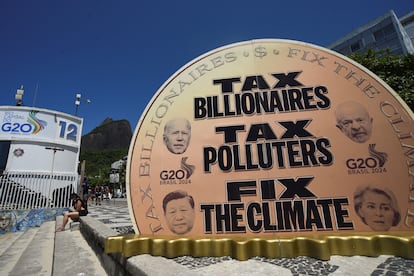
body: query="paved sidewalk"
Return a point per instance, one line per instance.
(114, 213)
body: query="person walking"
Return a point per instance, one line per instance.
(98, 195)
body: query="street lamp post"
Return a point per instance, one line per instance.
(77, 103)
(19, 96)
(55, 149)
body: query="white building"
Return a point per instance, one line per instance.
(39, 153)
(384, 32)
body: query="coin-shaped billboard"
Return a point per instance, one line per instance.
(272, 137)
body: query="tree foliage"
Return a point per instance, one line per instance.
(98, 163)
(396, 70)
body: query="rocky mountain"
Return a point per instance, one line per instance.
(104, 145)
(109, 134)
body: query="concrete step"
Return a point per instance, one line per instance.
(12, 245)
(40, 251)
(73, 255)
(29, 252)
(6, 240)
(37, 259)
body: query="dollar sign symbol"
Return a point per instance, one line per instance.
(260, 52)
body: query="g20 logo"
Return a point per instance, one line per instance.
(67, 131)
(374, 163)
(361, 163)
(17, 128)
(173, 175)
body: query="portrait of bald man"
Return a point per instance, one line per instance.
(177, 134)
(354, 121)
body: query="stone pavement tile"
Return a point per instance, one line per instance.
(114, 214)
(250, 267)
(155, 266)
(337, 266)
(119, 220)
(361, 264)
(281, 266)
(301, 265)
(395, 266)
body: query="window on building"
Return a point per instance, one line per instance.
(379, 35)
(382, 33)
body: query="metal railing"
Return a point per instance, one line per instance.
(27, 190)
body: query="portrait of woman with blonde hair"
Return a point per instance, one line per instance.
(377, 207)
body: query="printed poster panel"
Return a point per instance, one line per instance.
(268, 138)
(34, 124)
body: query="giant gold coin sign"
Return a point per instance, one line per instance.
(270, 139)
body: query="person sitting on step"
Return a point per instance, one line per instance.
(80, 209)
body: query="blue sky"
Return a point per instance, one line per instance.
(119, 53)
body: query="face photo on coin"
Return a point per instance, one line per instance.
(177, 134)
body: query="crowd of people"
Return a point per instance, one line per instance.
(98, 193)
